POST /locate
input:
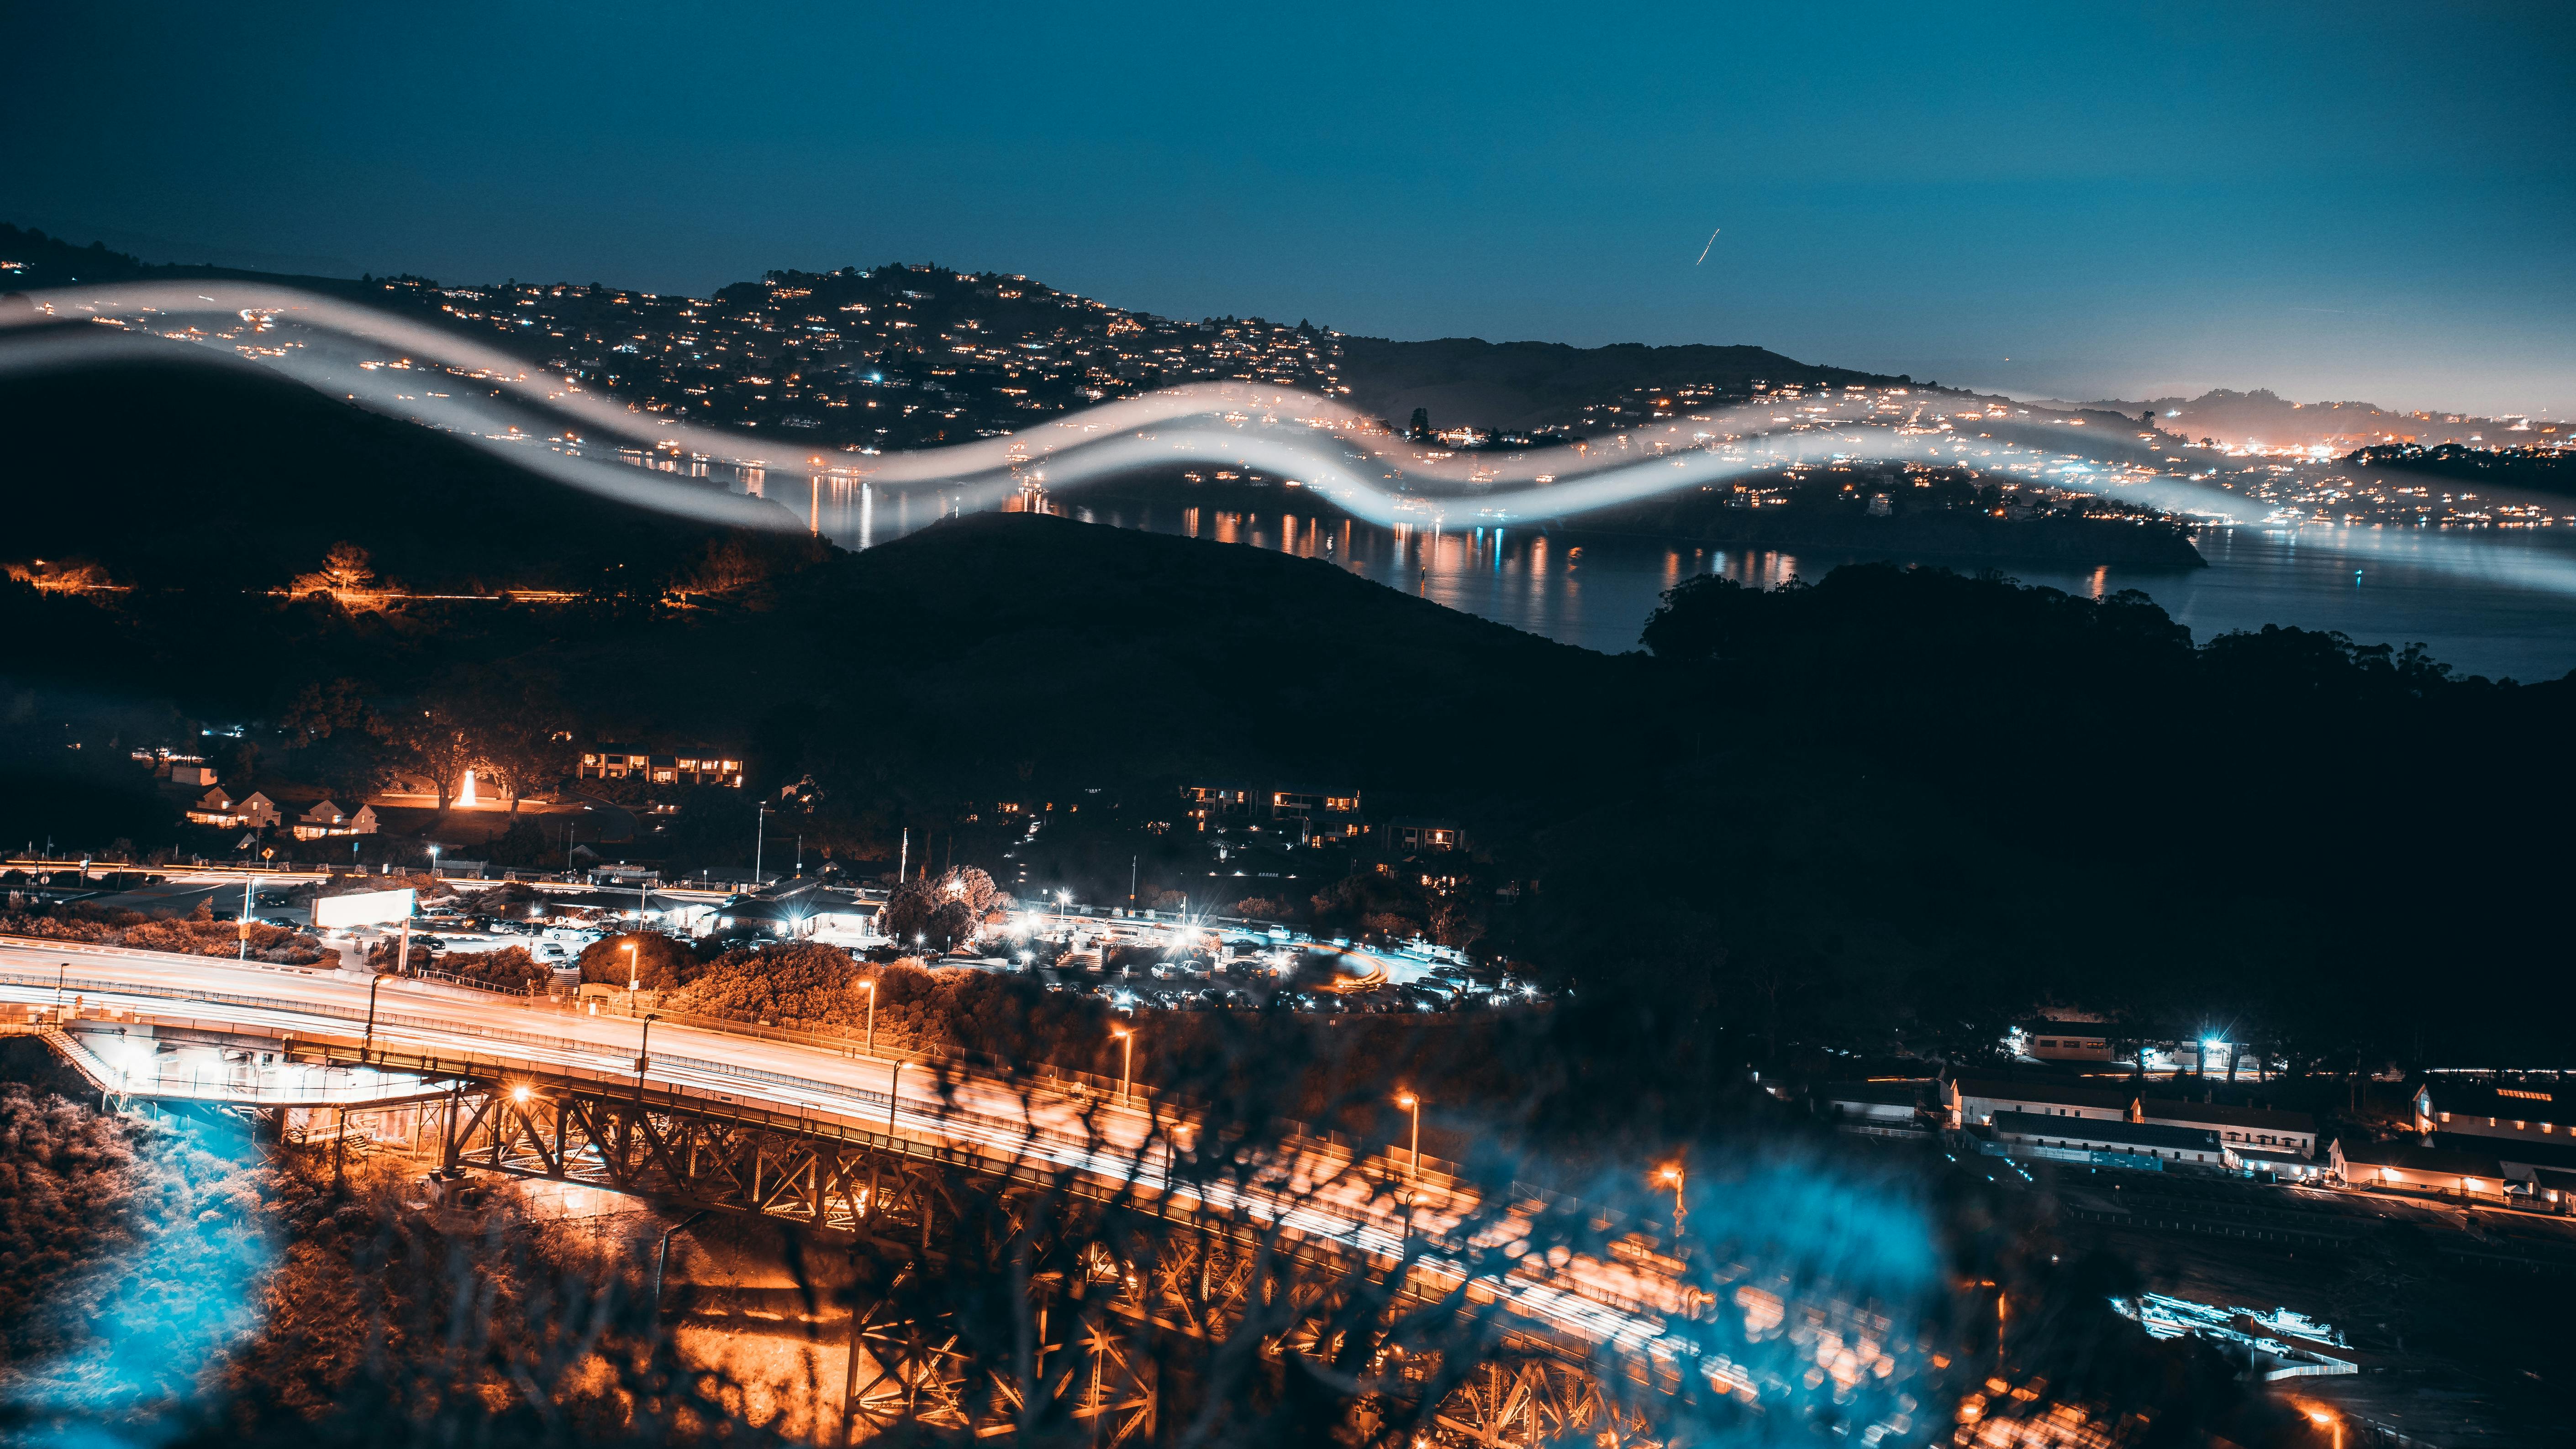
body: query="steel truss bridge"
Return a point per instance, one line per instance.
(1135, 1270)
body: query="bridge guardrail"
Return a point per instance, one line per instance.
(565, 1045)
(1302, 1139)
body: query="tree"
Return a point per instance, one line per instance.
(728, 564)
(514, 742)
(435, 738)
(347, 567)
(336, 739)
(660, 962)
(345, 571)
(947, 910)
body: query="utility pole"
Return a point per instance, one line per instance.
(1131, 881)
(248, 888)
(759, 837)
(903, 862)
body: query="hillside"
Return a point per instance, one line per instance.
(1886, 802)
(172, 475)
(911, 354)
(1533, 385)
(2236, 418)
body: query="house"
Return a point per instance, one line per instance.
(1973, 1101)
(1331, 813)
(1216, 802)
(2275, 1134)
(2412, 1166)
(2535, 1114)
(257, 810)
(1872, 1104)
(325, 818)
(2539, 1168)
(2065, 1041)
(216, 807)
(1415, 836)
(693, 765)
(192, 772)
(804, 914)
(2150, 1048)
(2112, 1143)
(1305, 811)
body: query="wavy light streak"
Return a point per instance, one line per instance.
(509, 406)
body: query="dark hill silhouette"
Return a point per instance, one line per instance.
(1112, 655)
(174, 475)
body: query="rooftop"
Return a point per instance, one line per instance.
(2172, 1109)
(2055, 1092)
(2094, 1129)
(2554, 1104)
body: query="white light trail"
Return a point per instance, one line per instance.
(340, 349)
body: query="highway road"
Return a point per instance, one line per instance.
(1317, 1190)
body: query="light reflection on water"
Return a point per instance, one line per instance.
(2486, 602)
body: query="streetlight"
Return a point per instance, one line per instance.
(1126, 1060)
(644, 1055)
(870, 987)
(1062, 899)
(250, 889)
(2329, 1418)
(633, 981)
(1673, 1176)
(369, 1044)
(1414, 1103)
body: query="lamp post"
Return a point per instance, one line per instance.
(368, 1045)
(644, 1055)
(250, 889)
(59, 972)
(870, 987)
(759, 838)
(2330, 1419)
(633, 981)
(1126, 1060)
(894, 1084)
(1673, 1176)
(433, 862)
(1414, 1104)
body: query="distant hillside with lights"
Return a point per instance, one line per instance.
(1511, 386)
(2239, 419)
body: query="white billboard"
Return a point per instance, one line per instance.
(363, 909)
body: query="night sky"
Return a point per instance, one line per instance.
(2335, 201)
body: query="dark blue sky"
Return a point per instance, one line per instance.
(2343, 200)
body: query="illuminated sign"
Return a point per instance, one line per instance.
(363, 909)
